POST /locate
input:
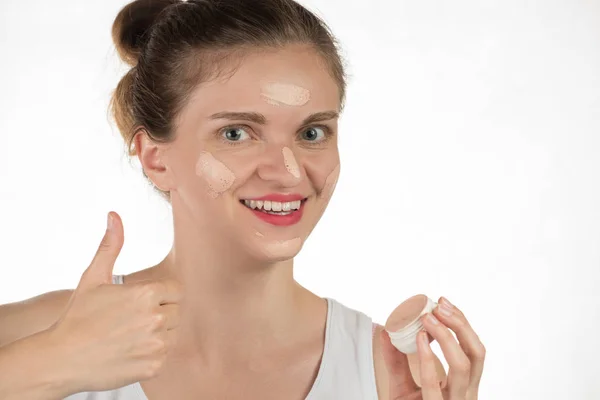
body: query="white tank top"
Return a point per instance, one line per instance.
(346, 371)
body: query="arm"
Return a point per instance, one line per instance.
(24, 318)
(28, 364)
(33, 368)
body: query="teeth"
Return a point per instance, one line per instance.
(276, 206)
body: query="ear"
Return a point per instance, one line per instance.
(152, 156)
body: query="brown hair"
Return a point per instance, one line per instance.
(172, 46)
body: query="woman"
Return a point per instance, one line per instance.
(231, 107)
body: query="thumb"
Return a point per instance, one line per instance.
(101, 269)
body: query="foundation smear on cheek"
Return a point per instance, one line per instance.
(330, 183)
(284, 93)
(217, 175)
(290, 162)
(282, 248)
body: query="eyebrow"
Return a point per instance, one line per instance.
(262, 120)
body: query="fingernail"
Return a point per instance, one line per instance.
(445, 310)
(447, 302)
(109, 222)
(424, 338)
(433, 319)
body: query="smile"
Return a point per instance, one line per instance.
(280, 213)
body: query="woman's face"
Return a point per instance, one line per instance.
(263, 138)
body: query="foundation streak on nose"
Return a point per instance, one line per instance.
(290, 162)
(277, 94)
(218, 177)
(282, 248)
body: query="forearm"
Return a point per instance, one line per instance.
(32, 368)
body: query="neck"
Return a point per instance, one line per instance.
(234, 307)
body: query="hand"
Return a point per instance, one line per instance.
(465, 360)
(115, 335)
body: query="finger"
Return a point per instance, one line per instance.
(430, 386)
(162, 291)
(413, 360)
(401, 381)
(171, 313)
(459, 365)
(101, 268)
(467, 338)
(165, 318)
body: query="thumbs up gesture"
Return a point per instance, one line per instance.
(115, 335)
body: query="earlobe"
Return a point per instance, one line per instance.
(153, 160)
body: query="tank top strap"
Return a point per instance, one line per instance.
(347, 367)
(117, 279)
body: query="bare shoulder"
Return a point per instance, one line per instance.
(24, 318)
(381, 373)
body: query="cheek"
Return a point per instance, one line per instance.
(330, 183)
(241, 164)
(217, 175)
(324, 173)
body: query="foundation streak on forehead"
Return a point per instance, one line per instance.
(218, 177)
(276, 94)
(282, 248)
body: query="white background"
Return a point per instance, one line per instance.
(470, 168)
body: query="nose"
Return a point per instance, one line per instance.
(279, 164)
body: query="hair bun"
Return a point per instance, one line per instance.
(129, 31)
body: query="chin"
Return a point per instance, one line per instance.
(277, 250)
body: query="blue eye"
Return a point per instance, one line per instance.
(235, 134)
(313, 134)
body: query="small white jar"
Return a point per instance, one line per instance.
(404, 323)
